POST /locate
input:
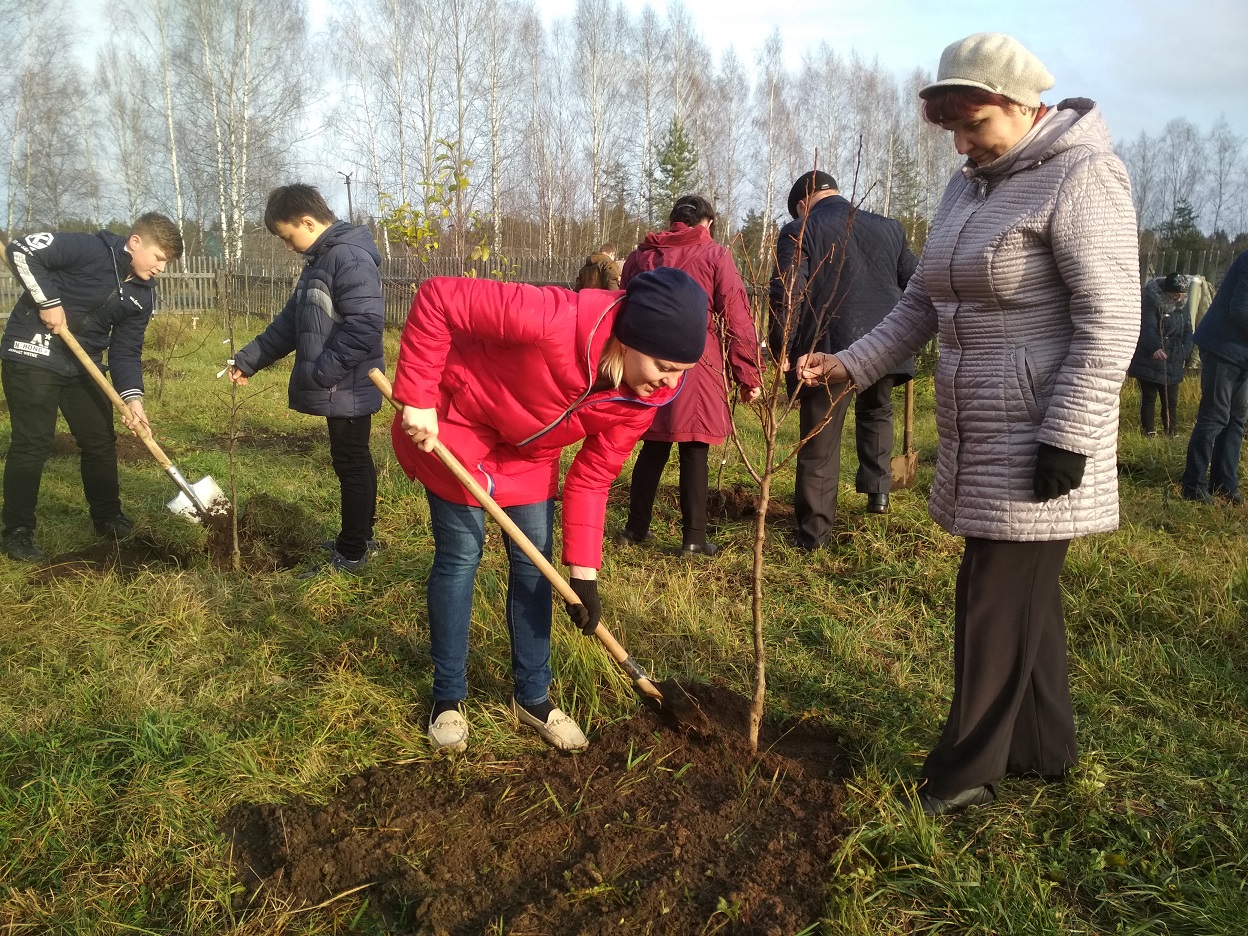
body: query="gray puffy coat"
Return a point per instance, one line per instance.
(1030, 278)
(333, 323)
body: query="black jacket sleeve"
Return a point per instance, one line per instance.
(32, 257)
(272, 344)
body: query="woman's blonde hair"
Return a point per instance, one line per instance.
(611, 364)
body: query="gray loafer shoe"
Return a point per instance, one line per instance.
(449, 732)
(559, 730)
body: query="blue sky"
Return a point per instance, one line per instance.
(1144, 61)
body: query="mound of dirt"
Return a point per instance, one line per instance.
(125, 557)
(129, 448)
(272, 533)
(280, 443)
(650, 830)
(741, 503)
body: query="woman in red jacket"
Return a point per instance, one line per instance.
(506, 375)
(700, 417)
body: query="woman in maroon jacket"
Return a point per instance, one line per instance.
(699, 417)
(506, 375)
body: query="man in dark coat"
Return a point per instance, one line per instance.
(839, 271)
(103, 287)
(1218, 436)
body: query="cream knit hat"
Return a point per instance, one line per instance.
(994, 62)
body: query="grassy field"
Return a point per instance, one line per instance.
(135, 711)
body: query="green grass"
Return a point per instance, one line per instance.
(133, 713)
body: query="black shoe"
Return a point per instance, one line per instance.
(336, 562)
(19, 544)
(371, 546)
(707, 549)
(627, 537)
(877, 503)
(1200, 497)
(119, 527)
(1235, 500)
(935, 806)
(805, 545)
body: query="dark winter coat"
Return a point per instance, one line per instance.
(850, 267)
(86, 275)
(1223, 332)
(333, 323)
(510, 369)
(1164, 324)
(700, 413)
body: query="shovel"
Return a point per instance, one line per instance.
(199, 500)
(669, 697)
(905, 467)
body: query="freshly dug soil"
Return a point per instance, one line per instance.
(125, 557)
(741, 503)
(651, 830)
(272, 533)
(129, 447)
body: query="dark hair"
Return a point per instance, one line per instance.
(161, 232)
(1175, 283)
(691, 210)
(958, 103)
(289, 203)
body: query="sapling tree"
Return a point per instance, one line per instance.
(792, 314)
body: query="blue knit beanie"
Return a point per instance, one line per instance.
(664, 316)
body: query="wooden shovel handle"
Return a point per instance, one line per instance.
(143, 432)
(613, 647)
(907, 441)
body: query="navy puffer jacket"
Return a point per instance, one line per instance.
(333, 323)
(1223, 332)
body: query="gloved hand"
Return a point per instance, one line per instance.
(588, 613)
(1058, 472)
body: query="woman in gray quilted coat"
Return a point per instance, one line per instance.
(1030, 279)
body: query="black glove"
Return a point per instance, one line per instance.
(588, 613)
(1058, 472)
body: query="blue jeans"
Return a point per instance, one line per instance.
(1218, 436)
(458, 538)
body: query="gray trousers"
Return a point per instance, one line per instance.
(819, 461)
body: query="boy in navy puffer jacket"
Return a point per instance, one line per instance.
(332, 322)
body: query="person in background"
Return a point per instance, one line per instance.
(1161, 354)
(839, 271)
(332, 322)
(1213, 452)
(506, 376)
(601, 270)
(103, 287)
(699, 417)
(1030, 280)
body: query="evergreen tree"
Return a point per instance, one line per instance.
(676, 171)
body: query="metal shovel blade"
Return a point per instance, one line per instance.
(210, 496)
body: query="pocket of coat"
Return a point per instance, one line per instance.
(1027, 385)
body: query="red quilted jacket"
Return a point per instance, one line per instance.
(701, 412)
(509, 368)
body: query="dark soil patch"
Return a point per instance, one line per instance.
(741, 503)
(272, 533)
(652, 830)
(127, 558)
(154, 367)
(281, 443)
(129, 448)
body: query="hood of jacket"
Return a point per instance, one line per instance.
(678, 235)
(340, 232)
(1073, 122)
(1157, 298)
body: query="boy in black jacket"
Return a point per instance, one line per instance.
(333, 324)
(101, 285)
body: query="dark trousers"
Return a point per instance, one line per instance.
(1218, 436)
(1011, 711)
(357, 480)
(819, 460)
(34, 396)
(694, 486)
(1149, 392)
